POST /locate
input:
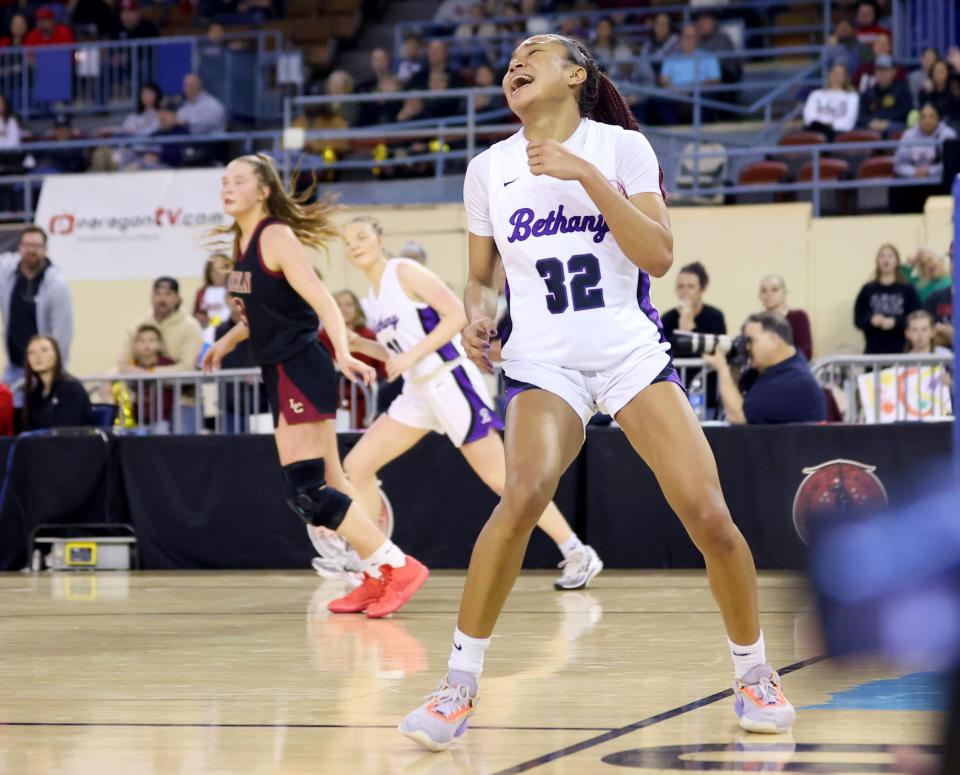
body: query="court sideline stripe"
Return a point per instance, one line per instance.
(200, 725)
(613, 734)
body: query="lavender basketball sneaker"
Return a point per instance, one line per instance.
(444, 715)
(760, 704)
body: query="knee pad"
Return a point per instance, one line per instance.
(309, 496)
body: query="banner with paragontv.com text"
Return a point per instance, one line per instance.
(130, 225)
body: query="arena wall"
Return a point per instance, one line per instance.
(824, 261)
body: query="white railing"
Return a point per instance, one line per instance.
(889, 388)
(227, 401)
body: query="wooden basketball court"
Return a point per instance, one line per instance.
(185, 672)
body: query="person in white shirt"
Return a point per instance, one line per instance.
(835, 107)
(203, 113)
(9, 125)
(573, 206)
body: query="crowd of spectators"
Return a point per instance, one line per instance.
(906, 307)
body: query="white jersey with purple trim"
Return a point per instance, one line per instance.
(574, 299)
(400, 323)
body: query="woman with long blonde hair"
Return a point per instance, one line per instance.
(281, 301)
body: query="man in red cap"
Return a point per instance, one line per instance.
(48, 31)
(132, 24)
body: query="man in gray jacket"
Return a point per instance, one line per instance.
(34, 299)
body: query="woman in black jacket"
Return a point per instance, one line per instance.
(52, 398)
(883, 305)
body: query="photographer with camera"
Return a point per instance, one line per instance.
(778, 387)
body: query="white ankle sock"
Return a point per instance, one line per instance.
(747, 657)
(467, 653)
(387, 554)
(569, 546)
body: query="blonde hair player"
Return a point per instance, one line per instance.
(573, 204)
(281, 301)
(417, 320)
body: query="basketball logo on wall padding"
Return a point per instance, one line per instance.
(837, 487)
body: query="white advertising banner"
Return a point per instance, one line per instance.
(115, 226)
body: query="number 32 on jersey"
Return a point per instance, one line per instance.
(581, 274)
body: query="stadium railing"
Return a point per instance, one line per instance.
(249, 72)
(889, 388)
(227, 401)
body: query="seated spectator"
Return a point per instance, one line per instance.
(61, 159)
(339, 83)
(865, 76)
(438, 60)
(442, 107)
(607, 50)
(356, 321)
(833, 108)
(146, 119)
(940, 306)
(920, 335)
(844, 47)
(693, 315)
(773, 297)
(883, 304)
(382, 111)
(165, 155)
(485, 103)
(662, 43)
(867, 28)
(885, 105)
(916, 159)
(717, 42)
(19, 27)
(181, 333)
(212, 307)
(148, 356)
(917, 78)
(132, 24)
(942, 90)
(201, 112)
(52, 398)
(379, 67)
(48, 31)
(928, 272)
(779, 386)
(682, 70)
(411, 58)
(9, 125)
(467, 53)
(691, 65)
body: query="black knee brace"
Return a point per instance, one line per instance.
(310, 497)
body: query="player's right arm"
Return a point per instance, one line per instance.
(369, 347)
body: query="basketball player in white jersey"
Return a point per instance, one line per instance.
(574, 206)
(417, 320)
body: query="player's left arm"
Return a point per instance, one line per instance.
(423, 285)
(283, 252)
(640, 224)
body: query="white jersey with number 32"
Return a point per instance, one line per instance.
(574, 299)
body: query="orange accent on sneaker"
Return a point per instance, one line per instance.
(399, 585)
(360, 599)
(749, 692)
(453, 718)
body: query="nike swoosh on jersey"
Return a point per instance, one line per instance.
(508, 182)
